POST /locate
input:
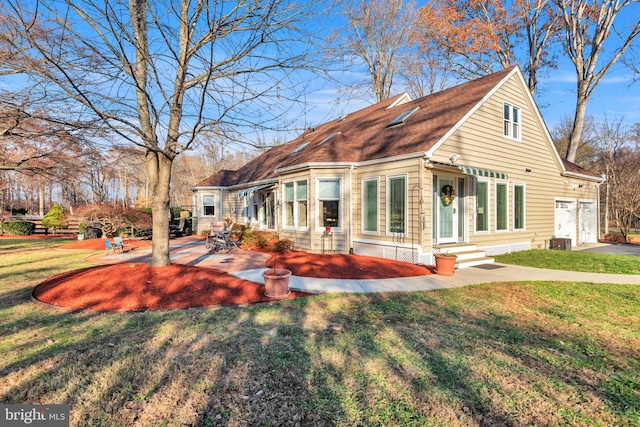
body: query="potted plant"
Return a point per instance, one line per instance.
(276, 280)
(445, 263)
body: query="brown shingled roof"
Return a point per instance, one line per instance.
(364, 134)
(572, 167)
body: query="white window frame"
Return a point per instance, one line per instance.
(495, 206)
(296, 201)
(508, 123)
(377, 230)
(488, 207)
(319, 221)
(406, 205)
(204, 196)
(524, 206)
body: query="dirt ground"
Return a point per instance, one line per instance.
(136, 286)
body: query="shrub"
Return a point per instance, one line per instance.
(283, 245)
(19, 228)
(55, 218)
(115, 220)
(255, 238)
(614, 238)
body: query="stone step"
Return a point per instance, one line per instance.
(475, 261)
(455, 249)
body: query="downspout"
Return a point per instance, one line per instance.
(351, 201)
(220, 193)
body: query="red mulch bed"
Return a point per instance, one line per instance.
(129, 286)
(339, 266)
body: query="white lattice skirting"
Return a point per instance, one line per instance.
(398, 253)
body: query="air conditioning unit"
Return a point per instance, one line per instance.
(562, 244)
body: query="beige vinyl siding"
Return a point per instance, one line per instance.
(204, 222)
(480, 142)
(413, 169)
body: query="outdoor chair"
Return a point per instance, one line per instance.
(113, 247)
(119, 242)
(178, 230)
(219, 239)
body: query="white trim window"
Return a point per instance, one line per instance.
(511, 121)
(502, 206)
(519, 206)
(482, 206)
(295, 204)
(329, 202)
(370, 205)
(208, 205)
(397, 204)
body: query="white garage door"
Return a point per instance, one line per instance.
(587, 223)
(565, 220)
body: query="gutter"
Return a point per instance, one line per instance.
(582, 176)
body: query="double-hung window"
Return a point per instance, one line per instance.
(397, 204)
(295, 198)
(208, 205)
(511, 128)
(519, 207)
(329, 202)
(502, 206)
(370, 216)
(482, 206)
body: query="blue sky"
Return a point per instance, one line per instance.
(615, 98)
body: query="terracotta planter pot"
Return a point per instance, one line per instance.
(276, 282)
(445, 265)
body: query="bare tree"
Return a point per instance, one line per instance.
(158, 73)
(620, 162)
(587, 26)
(424, 72)
(541, 26)
(377, 35)
(587, 152)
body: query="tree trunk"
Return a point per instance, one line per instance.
(159, 207)
(575, 136)
(41, 200)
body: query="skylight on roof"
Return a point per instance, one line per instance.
(403, 117)
(342, 117)
(299, 147)
(329, 137)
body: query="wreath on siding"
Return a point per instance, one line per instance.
(447, 195)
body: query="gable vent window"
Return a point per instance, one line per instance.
(403, 117)
(511, 128)
(328, 138)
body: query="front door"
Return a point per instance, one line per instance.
(447, 211)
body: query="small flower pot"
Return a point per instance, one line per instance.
(445, 264)
(276, 282)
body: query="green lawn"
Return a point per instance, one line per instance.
(530, 353)
(573, 261)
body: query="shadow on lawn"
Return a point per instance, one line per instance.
(443, 357)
